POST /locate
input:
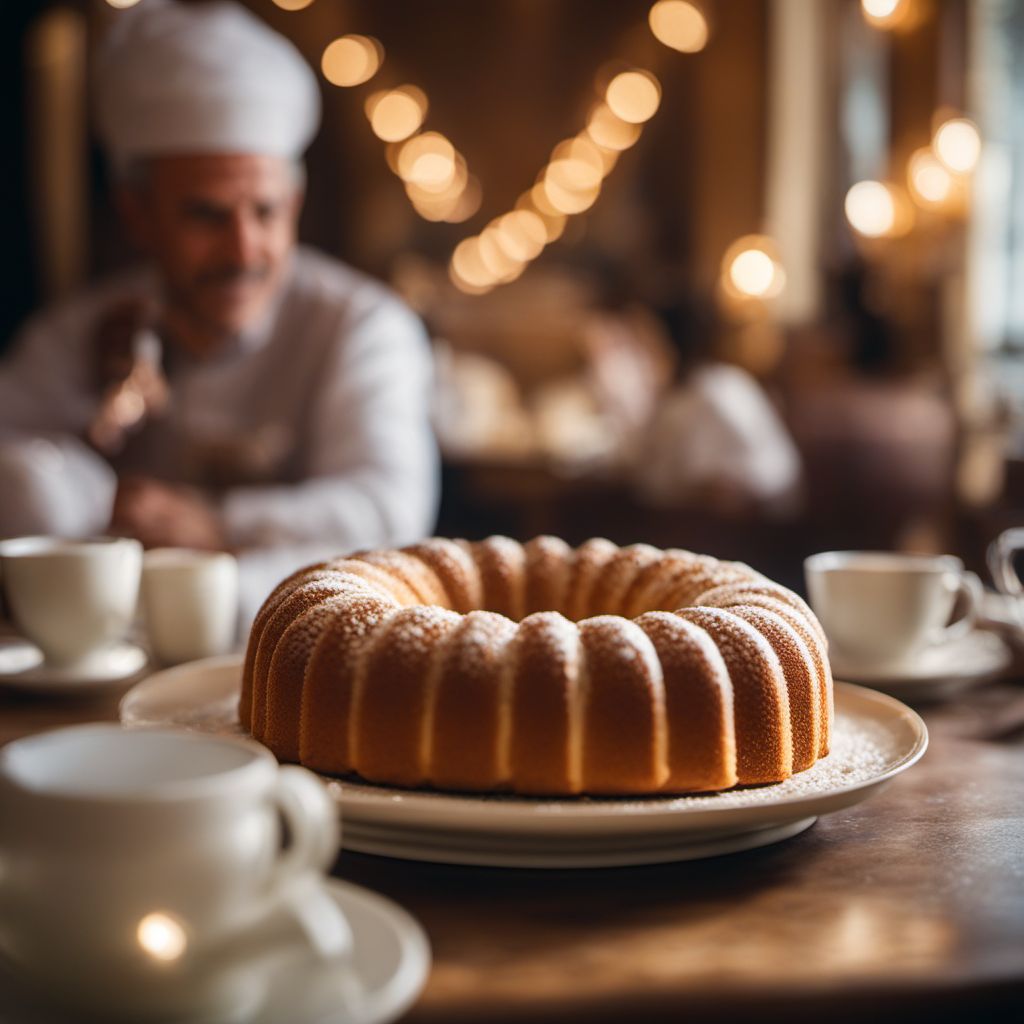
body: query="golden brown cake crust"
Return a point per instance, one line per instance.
(539, 669)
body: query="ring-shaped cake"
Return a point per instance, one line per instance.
(539, 669)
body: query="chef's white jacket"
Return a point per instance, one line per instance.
(312, 429)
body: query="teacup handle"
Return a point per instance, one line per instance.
(970, 587)
(1000, 561)
(312, 820)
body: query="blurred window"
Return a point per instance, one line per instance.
(996, 254)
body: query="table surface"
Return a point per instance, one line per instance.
(909, 905)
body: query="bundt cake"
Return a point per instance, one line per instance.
(539, 669)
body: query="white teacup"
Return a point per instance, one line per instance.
(144, 870)
(72, 598)
(190, 603)
(880, 609)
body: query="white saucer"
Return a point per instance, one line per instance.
(939, 672)
(389, 966)
(22, 667)
(875, 738)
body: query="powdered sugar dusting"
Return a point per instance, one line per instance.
(553, 634)
(480, 642)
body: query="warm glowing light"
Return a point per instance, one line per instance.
(751, 269)
(570, 186)
(468, 268)
(448, 193)
(610, 131)
(871, 209)
(679, 25)
(464, 286)
(351, 60)
(958, 145)
(454, 209)
(433, 171)
(536, 202)
(609, 158)
(428, 160)
(539, 201)
(451, 203)
(392, 151)
(634, 96)
(431, 209)
(521, 234)
(123, 5)
(882, 13)
(467, 286)
(930, 182)
(161, 936)
(583, 150)
(397, 114)
(752, 272)
(499, 263)
(288, 5)
(574, 174)
(554, 225)
(468, 203)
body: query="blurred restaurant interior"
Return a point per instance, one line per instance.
(607, 203)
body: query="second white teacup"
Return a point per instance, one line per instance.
(71, 598)
(190, 603)
(146, 875)
(880, 609)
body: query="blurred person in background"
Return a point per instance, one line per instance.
(240, 392)
(714, 437)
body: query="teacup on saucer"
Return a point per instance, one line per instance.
(147, 877)
(387, 970)
(73, 599)
(882, 610)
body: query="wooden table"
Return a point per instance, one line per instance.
(907, 907)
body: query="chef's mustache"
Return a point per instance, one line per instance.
(236, 275)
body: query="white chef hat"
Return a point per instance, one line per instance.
(201, 78)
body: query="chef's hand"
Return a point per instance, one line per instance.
(127, 374)
(160, 514)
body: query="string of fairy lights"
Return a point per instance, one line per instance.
(440, 186)
(436, 176)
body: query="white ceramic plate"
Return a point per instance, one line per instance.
(22, 667)
(390, 964)
(500, 852)
(876, 737)
(939, 672)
